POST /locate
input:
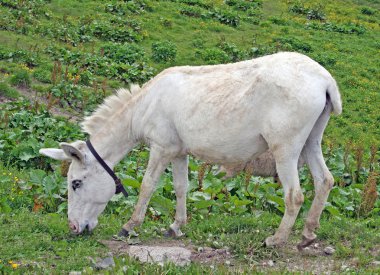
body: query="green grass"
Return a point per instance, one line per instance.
(352, 66)
(41, 241)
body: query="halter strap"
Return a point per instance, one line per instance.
(119, 186)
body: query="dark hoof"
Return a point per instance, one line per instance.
(123, 233)
(170, 233)
(305, 243)
(121, 236)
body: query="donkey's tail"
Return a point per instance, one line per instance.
(334, 95)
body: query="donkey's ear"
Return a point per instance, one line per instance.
(72, 151)
(53, 153)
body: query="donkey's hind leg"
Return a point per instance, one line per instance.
(158, 161)
(323, 179)
(323, 182)
(180, 181)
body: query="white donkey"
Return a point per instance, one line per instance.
(225, 114)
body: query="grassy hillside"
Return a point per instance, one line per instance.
(65, 56)
(81, 50)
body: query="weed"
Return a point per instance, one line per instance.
(21, 79)
(42, 74)
(369, 195)
(7, 91)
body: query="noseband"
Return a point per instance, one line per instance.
(119, 186)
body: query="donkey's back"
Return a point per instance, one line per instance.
(231, 113)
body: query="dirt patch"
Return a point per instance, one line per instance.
(174, 251)
(314, 259)
(4, 99)
(33, 96)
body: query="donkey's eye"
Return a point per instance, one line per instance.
(76, 184)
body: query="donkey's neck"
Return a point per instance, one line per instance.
(116, 137)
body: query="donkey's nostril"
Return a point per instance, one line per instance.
(72, 226)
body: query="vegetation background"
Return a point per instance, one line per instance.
(59, 59)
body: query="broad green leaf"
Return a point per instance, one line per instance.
(162, 204)
(199, 196)
(276, 199)
(26, 156)
(203, 204)
(131, 182)
(332, 210)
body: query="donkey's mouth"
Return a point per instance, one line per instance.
(77, 229)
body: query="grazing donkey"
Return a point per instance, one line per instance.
(226, 114)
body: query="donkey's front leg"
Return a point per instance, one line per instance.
(158, 161)
(180, 182)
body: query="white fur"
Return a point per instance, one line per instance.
(226, 114)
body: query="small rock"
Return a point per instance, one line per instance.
(270, 263)
(376, 263)
(105, 263)
(316, 245)
(329, 250)
(200, 249)
(228, 263)
(75, 273)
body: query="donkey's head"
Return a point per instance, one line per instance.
(90, 187)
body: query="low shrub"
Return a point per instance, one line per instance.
(347, 28)
(244, 5)
(164, 51)
(312, 13)
(225, 16)
(192, 12)
(232, 51)
(124, 53)
(127, 7)
(368, 11)
(214, 56)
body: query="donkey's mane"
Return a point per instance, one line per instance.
(111, 106)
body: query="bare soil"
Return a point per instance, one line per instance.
(185, 252)
(312, 259)
(33, 96)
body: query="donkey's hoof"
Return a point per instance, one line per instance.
(305, 243)
(170, 233)
(123, 233)
(274, 241)
(121, 236)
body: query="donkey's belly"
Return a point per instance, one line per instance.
(227, 150)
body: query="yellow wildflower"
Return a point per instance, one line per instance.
(14, 265)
